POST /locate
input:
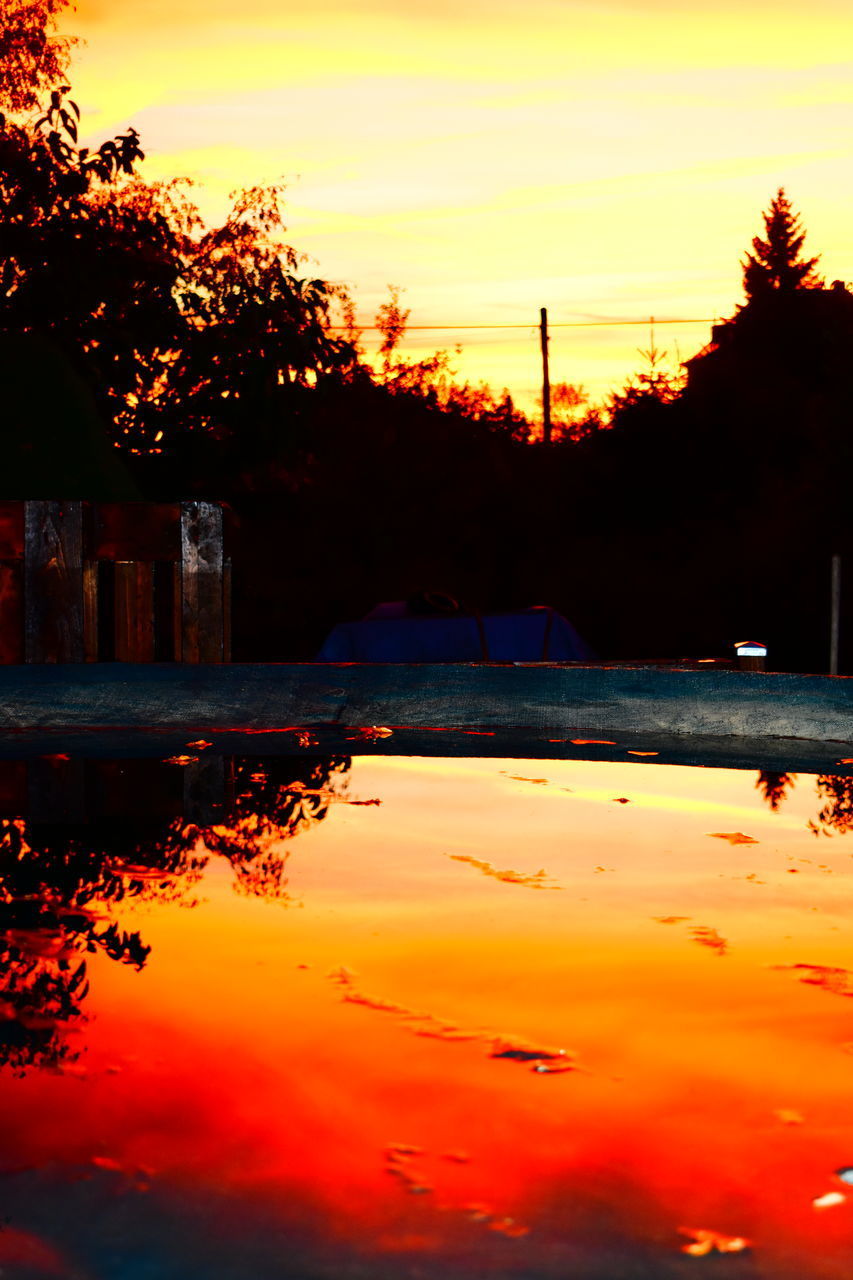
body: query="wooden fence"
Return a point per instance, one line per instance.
(113, 581)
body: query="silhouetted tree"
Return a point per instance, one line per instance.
(776, 264)
(33, 58)
(774, 786)
(653, 386)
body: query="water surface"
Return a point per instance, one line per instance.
(435, 1018)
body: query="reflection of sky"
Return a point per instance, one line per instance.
(603, 160)
(238, 1107)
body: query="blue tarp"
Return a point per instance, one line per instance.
(392, 634)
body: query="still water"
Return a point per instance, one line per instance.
(434, 1018)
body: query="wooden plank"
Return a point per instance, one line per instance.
(134, 788)
(204, 790)
(11, 530)
(227, 597)
(56, 790)
(90, 611)
(134, 611)
(13, 789)
(571, 701)
(177, 613)
(53, 582)
(134, 531)
(202, 599)
(11, 611)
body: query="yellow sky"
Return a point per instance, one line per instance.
(605, 160)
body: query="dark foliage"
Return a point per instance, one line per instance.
(776, 263)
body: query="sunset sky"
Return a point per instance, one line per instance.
(609, 161)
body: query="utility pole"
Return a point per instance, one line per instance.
(835, 615)
(546, 381)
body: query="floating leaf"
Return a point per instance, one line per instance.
(786, 1115)
(705, 1241)
(829, 1201)
(707, 937)
(733, 837)
(528, 880)
(830, 978)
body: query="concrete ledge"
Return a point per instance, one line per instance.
(732, 708)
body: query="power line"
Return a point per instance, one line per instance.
(569, 324)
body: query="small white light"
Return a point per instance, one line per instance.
(751, 649)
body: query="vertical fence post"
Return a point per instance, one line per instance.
(53, 582)
(835, 615)
(134, 611)
(546, 378)
(202, 595)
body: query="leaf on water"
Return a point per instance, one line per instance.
(509, 1227)
(595, 742)
(733, 837)
(201, 744)
(456, 1157)
(362, 802)
(517, 777)
(707, 937)
(829, 978)
(621, 800)
(528, 880)
(785, 1115)
(705, 1241)
(433, 1030)
(670, 919)
(829, 1201)
(643, 753)
(371, 734)
(517, 1051)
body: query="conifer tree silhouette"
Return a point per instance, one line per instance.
(776, 265)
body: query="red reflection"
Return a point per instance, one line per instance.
(412, 1061)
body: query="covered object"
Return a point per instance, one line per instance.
(395, 632)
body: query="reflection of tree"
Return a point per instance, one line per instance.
(837, 812)
(834, 790)
(774, 786)
(54, 900)
(274, 800)
(60, 885)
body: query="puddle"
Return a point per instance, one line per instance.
(328, 1030)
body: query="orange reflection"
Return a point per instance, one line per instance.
(415, 1061)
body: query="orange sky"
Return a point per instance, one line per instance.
(606, 160)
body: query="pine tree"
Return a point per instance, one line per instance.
(775, 263)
